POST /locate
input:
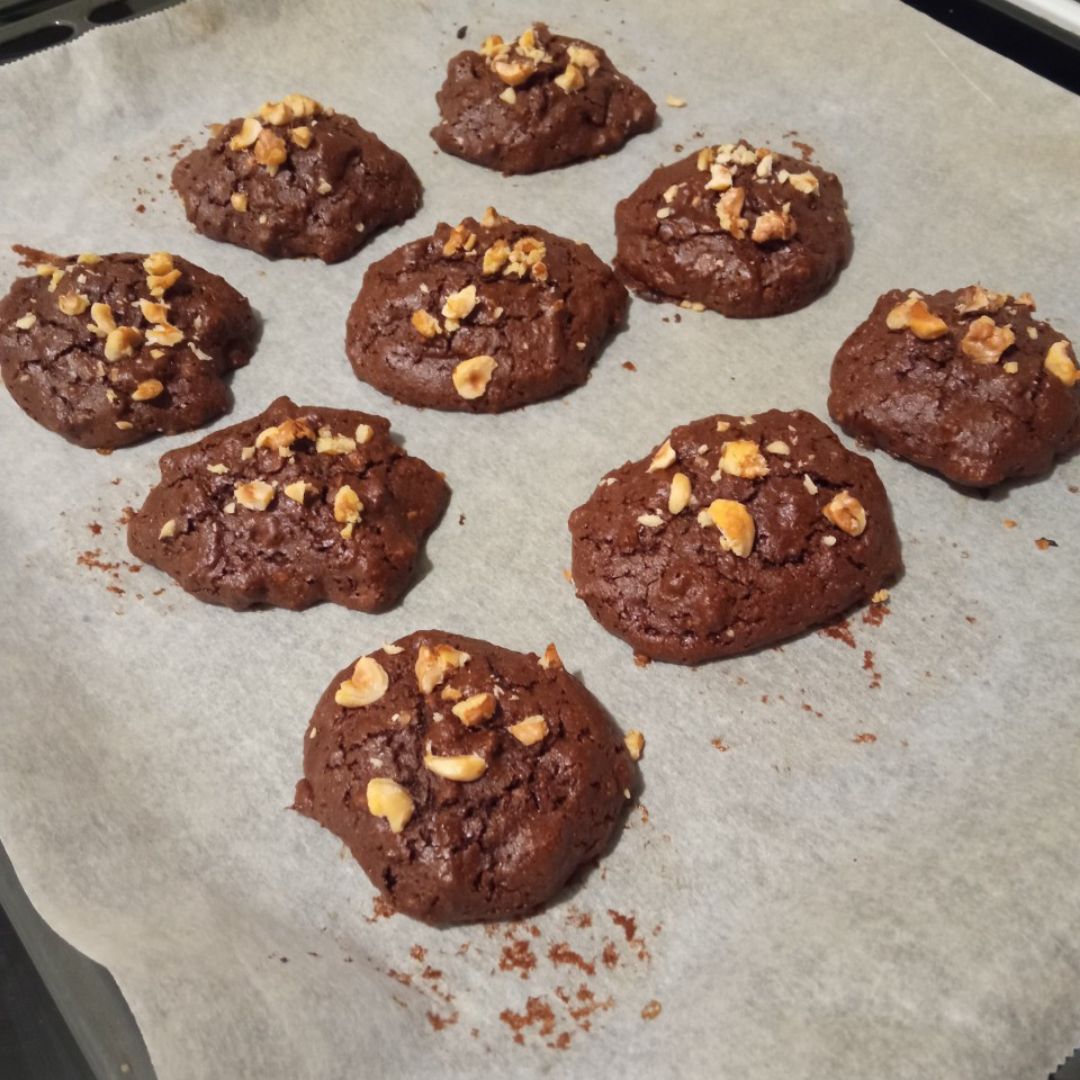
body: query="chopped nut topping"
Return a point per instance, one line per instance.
(764, 166)
(300, 136)
(1060, 364)
(388, 799)
(806, 182)
(913, 314)
(675, 102)
(650, 521)
(1025, 299)
(975, 299)
(218, 470)
(270, 151)
(24, 322)
(165, 335)
(551, 660)
(168, 530)
(743, 155)
(324, 187)
(1033, 333)
(239, 202)
(513, 72)
(493, 45)
(774, 225)
(161, 283)
(392, 650)
(741, 457)
(496, 257)
(364, 686)
(663, 458)
(45, 270)
(528, 46)
(73, 303)
(474, 710)
(635, 744)
(829, 541)
(720, 177)
(249, 131)
(880, 596)
(778, 446)
(147, 390)
(347, 505)
(847, 513)
(985, 341)
(255, 495)
(809, 484)
(459, 305)
(297, 491)
(723, 425)
(88, 258)
(433, 664)
(124, 425)
(471, 377)
(304, 108)
(664, 212)
(671, 193)
(526, 257)
(530, 730)
(154, 312)
(450, 693)
(1010, 367)
(704, 158)
(728, 209)
(281, 437)
(582, 57)
(737, 529)
(679, 498)
(491, 217)
(571, 80)
(161, 274)
(459, 240)
(425, 324)
(364, 433)
(509, 95)
(328, 443)
(121, 342)
(463, 768)
(247, 453)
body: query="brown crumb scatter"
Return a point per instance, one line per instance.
(561, 953)
(806, 151)
(719, 744)
(581, 919)
(141, 208)
(537, 1012)
(418, 953)
(381, 908)
(868, 665)
(641, 660)
(610, 955)
(629, 365)
(461, 519)
(971, 619)
(651, 1010)
(865, 737)
(400, 976)
(1044, 543)
(115, 589)
(431, 974)
(439, 1022)
(627, 922)
(91, 559)
(94, 528)
(518, 956)
(568, 575)
(839, 631)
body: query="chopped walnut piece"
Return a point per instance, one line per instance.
(474, 710)
(635, 744)
(806, 182)
(347, 506)
(147, 390)
(513, 72)
(582, 57)
(764, 166)
(985, 341)
(704, 158)
(387, 799)
(728, 208)
(527, 256)
(679, 497)
(282, 436)
(663, 458)
(303, 107)
(168, 530)
(458, 240)
(741, 457)
(165, 335)
(270, 151)
(159, 284)
(496, 257)
(300, 136)
(102, 319)
(913, 314)
(1060, 364)
(425, 324)
(248, 133)
(329, 443)
(255, 494)
(72, 303)
(459, 305)
(364, 686)
(551, 660)
(462, 768)
(774, 225)
(239, 202)
(975, 299)
(736, 526)
(297, 491)
(434, 663)
(122, 342)
(24, 322)
(744, 155)
(846, 512)
(471, 377)
(720, 178)
(571, 80)
(154, 311)
(1025, 299)
(529, 731)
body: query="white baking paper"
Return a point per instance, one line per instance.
(850, 861)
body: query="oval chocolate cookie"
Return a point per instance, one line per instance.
(297, 505)
(296, 179)
(469, 781)
(736, 532)
(484, 317)
(964, 382)
(108, 349)
(537, 103)
(747, 232)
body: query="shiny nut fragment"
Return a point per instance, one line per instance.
(806, 182)
(364, 686)
(741, 457)
(255, 494)
(464, 768)
(774, 225)
(282, 436)
(975, 299)
(434, 663)
(527, 258)
(985, 341)
(270, 151)
(147, 390)
(300, 136)
(728, 209)
(513, 72)
(459, 305)
(474, 710)
(154, 311)
(530, 730)
(165, 335)
(679, 497)
(663, 458)
(635, 744)
(704, 158)
(364, 433)
(584, 58)
(1060, 364)
(388, 799)
(471, 377)
(551, 660)
(720, 177)
(509, 95)
(571, 80)
(88, 258)
(496, 257)
(297, 491)
(846, 512)
(347, 505)
(168, 530)
(239, 202)
(425, 323)
(459, 240)
(24, 322)
(913, 314)
(249, 131)
(329, 443)
(73, 303)
(493, 46)
(736, 526)
(103, 321)
(778, 446)
(121, 342)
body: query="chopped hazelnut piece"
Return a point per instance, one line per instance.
(663, 458)
(463, 768)
(809, 484)
(45, 270)
(282, 436)
(459, 305)
(720, 178)
(509, 95)
(847, 513)
(450, 693)
(121, 342)
(300, 136)
(147, 390)
(913, 314)
(744, 155)
(324, 186)
(774, 225)
(168, 530)
(671, 193)
(471, 377)
(473, 710)
(571, 80)
(664, 212)
(723, 425)
(248, 133)
(425, 324)
(154, 311)
(737, 529)
(1033, 333)
(329, 443)
(54, 281)
(247, 453)
(530, 730)
(303, 107)
(459, 240)
(491, 217)
(496, 257)
(493, 45)
(806, 182)
(880, 596)
(635, 744)
(675, 102)
(704, 158)
(159, 284)
(1060, 364)
(778, 446)
(239, 202)
(526, 256)
(165, 335)
(124, 425)
(551, 660)
(764, 166)
(364, 686)
(364, 433)
(650, 521)
(255, 495)
(975, 299)
(88, 258)
(388, 799)
(728, 209)
(679, 498)
(582, 57)
(513, 72)
(73, 303)
(24, 322)
(347, 506)
(1010, 367)
(392, 650)
(985, 341)
(297, 491)
(103, 320)
(270, 151)
(219, 469)
(741, 457)
(433, 664)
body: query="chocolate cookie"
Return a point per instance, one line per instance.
(469, 781)
(964, 382)
(297, 179)
(736, 532)
(297, 505)
(484, 317)
(537, 103)
(108, 349)
(747, 232)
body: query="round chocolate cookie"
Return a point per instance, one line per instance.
(736, 532)
(469, 781)
(483, 317)
(296, 179)
(297, 505)
(108, 349)
(537, 103)
(747, 232)
(964, 382)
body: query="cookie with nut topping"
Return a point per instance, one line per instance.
(743, 230)
(296, 178)
(107, 350)
(536, 103)
(734, 533)
(483, 317)
(469, 781)
(294, 506)
(966, 382)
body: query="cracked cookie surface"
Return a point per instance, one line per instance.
(469, 781)
(736, 532)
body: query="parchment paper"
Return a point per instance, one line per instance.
(851, 861)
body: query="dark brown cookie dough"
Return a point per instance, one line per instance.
(108, 349)
(296, 179)
(483, 317)
(747, 232)
(296, 505)
(469, 781)
(736, 532)
(537, 103)
(963, 382)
